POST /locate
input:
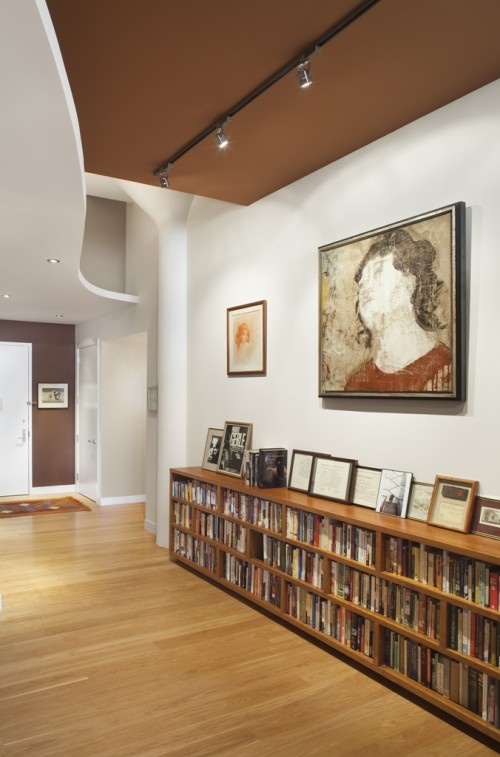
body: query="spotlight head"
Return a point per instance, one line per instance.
(163, 176)
(221, 139)
(304, 74)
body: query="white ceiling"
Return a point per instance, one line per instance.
(42, 196)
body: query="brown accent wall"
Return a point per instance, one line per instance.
(53, 431)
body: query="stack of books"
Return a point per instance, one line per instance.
(266, 467)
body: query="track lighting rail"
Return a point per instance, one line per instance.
(162, 171)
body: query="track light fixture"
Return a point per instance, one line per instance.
(221, 139)
(163, 177)
(304, 74)
(302, 66)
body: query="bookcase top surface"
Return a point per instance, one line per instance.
(472, 545)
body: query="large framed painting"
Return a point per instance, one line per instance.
(391, 311)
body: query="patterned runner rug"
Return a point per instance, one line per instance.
(37, 506)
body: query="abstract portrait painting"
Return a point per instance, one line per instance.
(392, 309)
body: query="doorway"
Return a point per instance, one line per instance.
(15, 418)
(88, 408)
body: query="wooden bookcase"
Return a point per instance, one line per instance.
(412, 602)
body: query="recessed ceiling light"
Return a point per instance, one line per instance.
(53, 260)
(6, 296)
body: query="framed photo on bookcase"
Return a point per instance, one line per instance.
(331, 478)
(300, 470)
(420, 501)
(394, 492)
(213, 446)
(486, 518)
(236, 439)
(452, 503)
(366, 486)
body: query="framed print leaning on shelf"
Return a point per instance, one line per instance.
(236, 439)
(213, 446)
(486, 518)
(331, 478)
(394, 492)
(391, 310)
(247, 339)
(366, 487)
(300, 470)
(52, 396)
(420, 501)
(452, 503)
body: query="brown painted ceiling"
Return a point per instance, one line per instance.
(148, 76)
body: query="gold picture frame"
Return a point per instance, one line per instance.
(452, 503)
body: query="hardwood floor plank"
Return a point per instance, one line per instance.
(109, 649)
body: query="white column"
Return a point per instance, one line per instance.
(169, 210)
(172, 364)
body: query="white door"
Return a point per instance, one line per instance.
(15, 415)
(88, 422)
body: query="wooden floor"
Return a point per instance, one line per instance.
(108, 649)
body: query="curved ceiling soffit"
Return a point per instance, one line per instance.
(42, 188)
(54, 45)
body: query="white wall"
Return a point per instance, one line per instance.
(123, 419)
(269, 251)
(104, 239)
(140, 279)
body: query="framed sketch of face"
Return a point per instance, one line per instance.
(392, 309)
(246, 339)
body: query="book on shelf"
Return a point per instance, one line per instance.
(272, 465)
(251, 466)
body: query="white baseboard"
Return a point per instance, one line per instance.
(122, 500)
(68, 489)
(150, 526)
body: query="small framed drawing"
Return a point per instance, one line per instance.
(52, 396)
(486, 518)
(366, 486)
(247, 339)
(394, 492)
(331, 478)
(300, 470)
(452, 503)
(236, 439)
(420, 500)
(213, 446)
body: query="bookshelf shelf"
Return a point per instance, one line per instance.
(415, 603)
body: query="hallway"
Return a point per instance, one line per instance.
(107, 648)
